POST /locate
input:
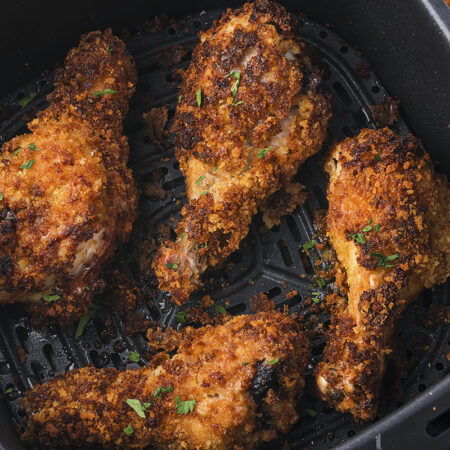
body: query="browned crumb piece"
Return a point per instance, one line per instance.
(386, 112)
(261, 303)
(156, 120)
(438, 314)
(363, 68)
(22, 355)
(172, 56)
(291, 294)
(155, 192)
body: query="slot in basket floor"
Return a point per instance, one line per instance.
(270, 262)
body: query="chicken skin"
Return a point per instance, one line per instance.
(66, 194)
(250, 113)
(389, 223)
(230, 386)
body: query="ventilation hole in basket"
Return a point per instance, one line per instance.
(285, 253)
(236, 257)
(275, 229)
(176, 165)
(421, 387)
(49, 354)
(439, 366)
(293, 228)
(359, 119)
(427, 299)
(44, 83)
(169, 77)
(375, 89)
(327, 410)
(342, 93)
(20, 96)
(197, 23)
(172, 184)
(274, 292)
(237, 309)
(318, 349)
(4, 368)
(320, 197)
(301, 22)
(117, 361)
(21, 412)
(323, 34)
(439, 425)
(294, 301)
(38, 370)
(344, 49)
(22, 335)
(172, 31)
(346, 130)
(306, 262)
(351, 433)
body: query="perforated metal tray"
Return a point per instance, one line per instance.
(270, 262)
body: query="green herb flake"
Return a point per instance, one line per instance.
(137, 406)
(171, 266)
(83, 322)
(220, 309)
(25, 100)
(204, 245)
(199, 96)
(310, 412)
(321, 283)
(181, 316)
(274, 361)
(245, 364)
(50, 298)
(1, 196)
(315, 297)
(9, 390)
(367, 228)
(184, 407)
(109, 49)
(134, 357)
(32, 146)
(214, 169)
(179, 99)
(377, 157)
(383, 260)
(309, 245)
(234, 87)
(162, 390)
(263, 151)
(105, 91)
(183, 235)
(28, 165)
(377, 228)
(129, 430)
(199, 179)
(204, 192)
(17, 151)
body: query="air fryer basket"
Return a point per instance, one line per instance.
(270, 262)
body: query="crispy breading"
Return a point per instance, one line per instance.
(67, 194)
(385, 200)
(245, 376)
(251, 112)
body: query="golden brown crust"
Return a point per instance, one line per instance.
(61, 217)
(276, 103)
(382, 187)
(246, 377)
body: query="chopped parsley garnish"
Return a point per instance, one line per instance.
(220, 309)
(309, 245)
(377, 228)
(32, 146)
(9, 390)
(245, 364)
(204, 245)
(171, 266)
(321, 283)
(161, 390)
(28, 165)
(134, 357)
(368, 227)
(50, 298)
(109, 49)
(199, 96)
(17, 151)
(274, 361)
(83, 322)
(138, 407)
(179, 98)
(214, 169)
(181, 316)
(11, 217)
(377, 157)
(183, 235)
(25, 100)
(234, 87)
(383, 260)
(263, 151)
(105, 91)
(204, 192)
(199, 179)
(358, 238)
(184, 407)
(129, 430)
(1, 196)
(310, 412)
(315, 297)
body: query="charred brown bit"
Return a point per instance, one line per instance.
(156, 120)
(388, 221)
(231, 386)
(251, 111)
(386, 112)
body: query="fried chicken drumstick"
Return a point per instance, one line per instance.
(67, 196)
(388, 221)
(251, 112)
(229, 386)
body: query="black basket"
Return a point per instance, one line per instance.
(270, 262)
